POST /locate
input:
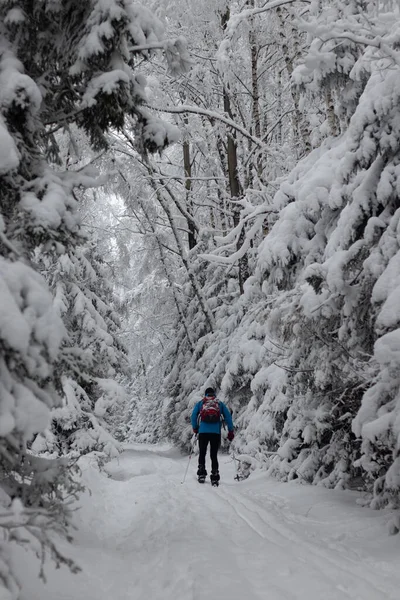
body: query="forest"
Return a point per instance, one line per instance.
(197, 194)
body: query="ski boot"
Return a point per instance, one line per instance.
(201, 474)
(214, 478)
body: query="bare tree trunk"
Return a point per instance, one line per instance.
(209, 125)
(236, 194)
(187, 165)
(279, 97)
(330, 114)
(234, 182)
(255, 109)
(300, 122)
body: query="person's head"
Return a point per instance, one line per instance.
(209, 392)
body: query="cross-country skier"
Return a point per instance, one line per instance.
(207, 417)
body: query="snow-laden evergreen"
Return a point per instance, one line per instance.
(259, 255)
(326, 266)
(32, 489)
(313, 353)
(61, 64)
(92, 357)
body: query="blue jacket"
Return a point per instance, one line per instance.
(211, 427)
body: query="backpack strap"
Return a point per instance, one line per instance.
(200, 402)
(223, 422)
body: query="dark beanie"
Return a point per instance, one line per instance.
(209, 392)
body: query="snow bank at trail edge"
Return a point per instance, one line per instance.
(116, 507)
(142, 535)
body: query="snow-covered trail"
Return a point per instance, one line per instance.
(144, 535)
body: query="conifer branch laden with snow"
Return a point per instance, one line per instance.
(319, 283)
(59, 66)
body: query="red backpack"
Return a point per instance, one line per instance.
(210, 411)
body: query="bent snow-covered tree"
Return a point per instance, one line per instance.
(60, 63)
(316, 347)
(92, 360)
(325, 394)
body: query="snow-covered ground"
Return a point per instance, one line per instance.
(142, 534)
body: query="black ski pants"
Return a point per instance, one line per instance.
(214, 439)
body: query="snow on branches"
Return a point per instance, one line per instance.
(308, 358)
(62, 65)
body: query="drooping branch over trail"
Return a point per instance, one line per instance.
(184, 109)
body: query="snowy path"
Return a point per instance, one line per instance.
(143, 535)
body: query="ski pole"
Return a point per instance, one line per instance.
(187, 468)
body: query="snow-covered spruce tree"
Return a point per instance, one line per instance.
(60, 63)
(324, 76)
(307, 342)
(83, 56)
(100, 67)
(328, 269)
(92, 358)
(32, 489)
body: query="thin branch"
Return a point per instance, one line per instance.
(236, 19)
(211, 115)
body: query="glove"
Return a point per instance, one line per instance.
(195, 430)
(231, 435)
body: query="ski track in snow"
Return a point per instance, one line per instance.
(142, 534)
